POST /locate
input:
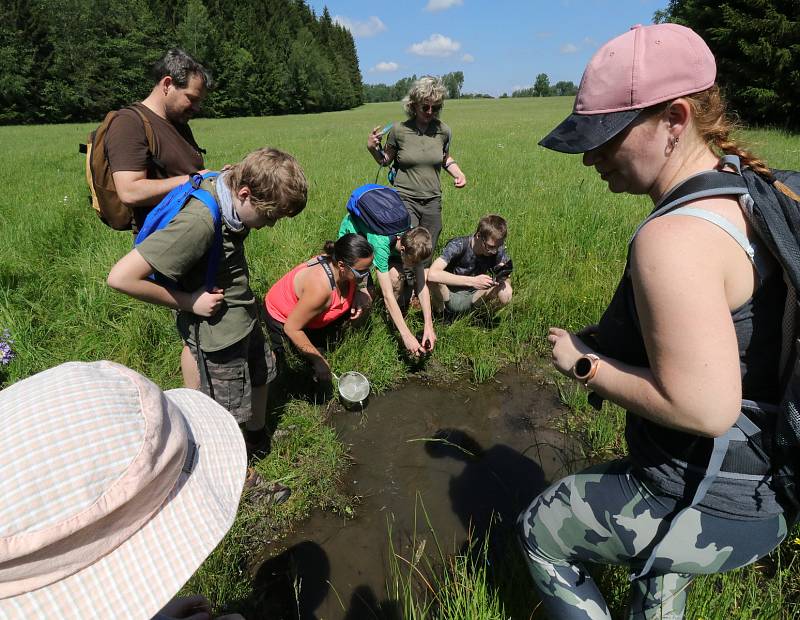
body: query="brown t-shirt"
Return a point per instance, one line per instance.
(126, 148)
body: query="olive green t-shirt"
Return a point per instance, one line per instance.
(382, 245)
(180, 252)
(419, 157)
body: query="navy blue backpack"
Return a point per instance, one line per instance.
(166, 210)
(380, 209)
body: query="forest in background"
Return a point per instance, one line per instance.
(74, 60)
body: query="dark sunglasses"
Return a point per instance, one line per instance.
(358, 273)
(433, 108)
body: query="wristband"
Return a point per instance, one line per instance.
(450, 163)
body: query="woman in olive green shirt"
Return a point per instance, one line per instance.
(418, 148)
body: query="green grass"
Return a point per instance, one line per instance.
(567, 236)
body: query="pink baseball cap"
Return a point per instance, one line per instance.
(643, 67)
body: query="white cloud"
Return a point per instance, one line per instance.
(468, 58)
(442, 5)
(370, 28)
(568, 48)
(435, 45)
(385, 67)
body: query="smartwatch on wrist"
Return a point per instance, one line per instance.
(585, 368)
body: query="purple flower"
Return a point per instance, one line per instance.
(6, 352)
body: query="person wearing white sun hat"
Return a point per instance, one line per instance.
(112, 493)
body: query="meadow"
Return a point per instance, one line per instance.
(567, 236)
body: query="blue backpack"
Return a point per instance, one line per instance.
(166, 210)
(380, 209)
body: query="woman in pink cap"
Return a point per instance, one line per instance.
(689, 344)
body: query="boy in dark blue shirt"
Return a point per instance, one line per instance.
(471, 268)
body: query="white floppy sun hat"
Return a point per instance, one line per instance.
(112, 492)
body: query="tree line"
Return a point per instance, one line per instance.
(376, 93)
(757, 48)
(542, 88)
(74, 60)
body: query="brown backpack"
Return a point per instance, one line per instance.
(104, 198)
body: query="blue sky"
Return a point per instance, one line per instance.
(500, 45)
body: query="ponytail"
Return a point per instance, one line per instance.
(715, 127)
(348, 248)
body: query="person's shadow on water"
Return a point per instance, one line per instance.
(289, 586)
(493, 488)
(495, 485)
(364, 605)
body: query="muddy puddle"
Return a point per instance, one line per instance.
(462, 452)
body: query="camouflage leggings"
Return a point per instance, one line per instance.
(604, 515)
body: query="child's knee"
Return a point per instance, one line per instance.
(504, 293)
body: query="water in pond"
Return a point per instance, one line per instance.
(462, 451)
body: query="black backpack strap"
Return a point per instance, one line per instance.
(323, 260)
(702, 185)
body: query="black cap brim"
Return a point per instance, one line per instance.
(579, 133)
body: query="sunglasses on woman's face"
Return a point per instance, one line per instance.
(429, 107)
(358, 273)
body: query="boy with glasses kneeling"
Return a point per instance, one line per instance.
(473, 268)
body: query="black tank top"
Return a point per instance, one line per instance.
(660, 454)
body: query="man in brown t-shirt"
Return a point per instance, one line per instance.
(143, 178)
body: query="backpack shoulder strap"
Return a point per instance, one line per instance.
(721, 222)
(215, 256)
(323, 260)
(702, 185)
(151, 138)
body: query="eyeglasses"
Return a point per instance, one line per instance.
(358, 273)
(489, 247)
(429, 107)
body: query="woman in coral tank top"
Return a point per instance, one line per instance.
(318, 296)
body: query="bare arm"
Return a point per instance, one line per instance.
(438, 274)
(136, 190)
(449, 164)
(409, 340)
(693, 383)
(382, 155)
(130, 276)
(424, 296)
(313, 299)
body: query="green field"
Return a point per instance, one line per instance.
(567, 236)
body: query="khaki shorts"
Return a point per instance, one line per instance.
(460, 300)
(235, 370)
